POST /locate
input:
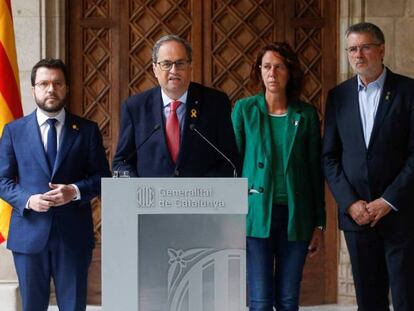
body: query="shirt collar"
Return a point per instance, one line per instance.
(42, 117)
(167, 100)
(379, 83)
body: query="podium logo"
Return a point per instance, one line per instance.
(145, 197)
(205, 278)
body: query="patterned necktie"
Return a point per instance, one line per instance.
(51, 148)
(172, 128)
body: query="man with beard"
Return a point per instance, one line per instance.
(158, 129)
(368, 159)
(51, 164)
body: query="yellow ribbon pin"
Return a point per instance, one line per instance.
(193, 113)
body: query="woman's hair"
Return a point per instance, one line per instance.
(290, 59)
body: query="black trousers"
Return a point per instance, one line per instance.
(382, 258)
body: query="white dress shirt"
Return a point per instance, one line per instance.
(44, 129)
(44, 126)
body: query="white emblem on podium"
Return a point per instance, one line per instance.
(145, 197)
(203, 277)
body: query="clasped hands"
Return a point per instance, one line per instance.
(364, 213)
(59, 194)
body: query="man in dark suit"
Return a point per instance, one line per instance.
(368, 159)
(159, 128)
(51, 164)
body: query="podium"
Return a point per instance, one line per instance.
(174, 244)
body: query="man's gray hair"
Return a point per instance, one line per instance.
(367, 28)
(175, 38)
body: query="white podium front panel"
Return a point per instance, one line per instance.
(173, 244)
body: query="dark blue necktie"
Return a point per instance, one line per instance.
(51, 143)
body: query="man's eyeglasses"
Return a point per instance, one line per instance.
(44, 84)
(364, 48)
(166, 65)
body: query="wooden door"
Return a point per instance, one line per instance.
(109, 50)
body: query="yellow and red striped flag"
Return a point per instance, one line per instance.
(10, 103)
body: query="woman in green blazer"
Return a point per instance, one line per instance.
(278, 137)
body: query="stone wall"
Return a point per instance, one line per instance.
(40, 32)
(7, 271)
(396, 19)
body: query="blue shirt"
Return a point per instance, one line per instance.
(369, 97)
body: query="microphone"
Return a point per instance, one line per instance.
(193, 128)
(132, 154)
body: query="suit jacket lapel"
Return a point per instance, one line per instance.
(157, 107)
(70, 132)
(350, 112)
(384, 105)
(192, 113)
(293, 119)
(33, 136)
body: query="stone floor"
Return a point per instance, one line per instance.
(314, 308)
(329, 308)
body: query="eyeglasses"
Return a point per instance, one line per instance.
(278, 67)
(364, 48)
(44, 84)
(166, 65)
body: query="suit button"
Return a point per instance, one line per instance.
(261, 189)
(260, 165)
(176, 173)
(369, 157)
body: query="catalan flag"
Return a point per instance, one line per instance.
(10, 103)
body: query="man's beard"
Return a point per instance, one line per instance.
(56, 107)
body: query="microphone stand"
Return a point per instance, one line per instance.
(193, 128)
(129, 157)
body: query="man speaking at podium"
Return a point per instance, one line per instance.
(179, 128)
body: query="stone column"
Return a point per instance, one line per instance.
(40, 32)
(9, 288)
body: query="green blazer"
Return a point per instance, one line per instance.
(304, 181)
